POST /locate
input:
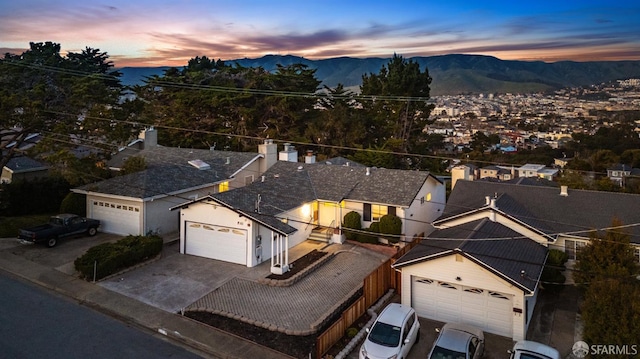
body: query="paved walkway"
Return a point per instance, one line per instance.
(299, 309)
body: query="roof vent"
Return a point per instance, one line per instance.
(200, 164)
(228, 160)
(368, 171)
(564, 191)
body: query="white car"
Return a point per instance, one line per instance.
(392, 334)
(526, 349)
(458, 341)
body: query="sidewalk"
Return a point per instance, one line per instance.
(208, 340)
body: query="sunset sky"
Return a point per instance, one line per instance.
(169, 33)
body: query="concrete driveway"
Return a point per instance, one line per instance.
(61, 256)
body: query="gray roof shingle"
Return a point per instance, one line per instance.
(543, 207)
(169, 172)
(288, 185)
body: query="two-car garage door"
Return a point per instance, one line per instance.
(216, 242)
(450, 302)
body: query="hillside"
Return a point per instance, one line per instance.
(452, 74)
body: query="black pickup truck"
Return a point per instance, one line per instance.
(62, 225)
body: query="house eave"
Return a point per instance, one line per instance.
(258, 156)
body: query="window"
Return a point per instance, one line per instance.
(223, 187)
(377, 211)
(447, 285)
(424, 281)
(474, 290)
(498, 295)
(428, 197)
(366, 212)
(573, 248)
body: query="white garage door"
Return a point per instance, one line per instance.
(215, 242)
(116, 218)
(449, 302)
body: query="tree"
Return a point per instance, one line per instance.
(607, 268)
(338, 123)
(611, 313)
(213, 99)
(396, 104)
(631, 158)
(607, 256)
(71, 100)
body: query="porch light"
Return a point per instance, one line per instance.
(306, 210)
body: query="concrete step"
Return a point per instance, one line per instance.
(323, 236)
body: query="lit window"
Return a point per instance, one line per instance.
(223, 187)
(377, 211)
(428, 197)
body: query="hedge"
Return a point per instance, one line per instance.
(111, 258)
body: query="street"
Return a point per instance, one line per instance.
(40, 324)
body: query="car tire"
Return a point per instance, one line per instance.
(418, 336)
(92, 231)
(51, 242)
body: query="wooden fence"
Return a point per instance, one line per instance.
(375, 285)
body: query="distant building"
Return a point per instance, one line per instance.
(620, 172)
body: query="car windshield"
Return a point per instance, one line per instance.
(442, 353)
(532, 356)
(385, 334)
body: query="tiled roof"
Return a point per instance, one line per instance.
(519, 261)
(543, 207)
(288, 185)
(168, 172)
(337, 183)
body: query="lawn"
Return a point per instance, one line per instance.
(9, 226)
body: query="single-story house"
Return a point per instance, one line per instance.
(491, 244)
(23, 168)
(292, 202)
(139, 203)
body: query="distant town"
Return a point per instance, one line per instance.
(526, 121)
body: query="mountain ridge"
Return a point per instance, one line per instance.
(452, 74)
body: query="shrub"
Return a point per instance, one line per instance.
(390, 224)
(110, 258)
(552, 272)
(368, 238)
(75, 203)
(374, 227)
(557, 258)
(352, 220)
(352, 332)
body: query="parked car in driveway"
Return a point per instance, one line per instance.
(526, 349)
(392, 334)
(458, 341)
(59, 226)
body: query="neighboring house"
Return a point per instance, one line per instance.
(500, 172)
(620, 172)
(467, 172)
(536, 170)
(139, 203)
(482, 266)
(292, 202)
(561, 162)
(23, 168)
